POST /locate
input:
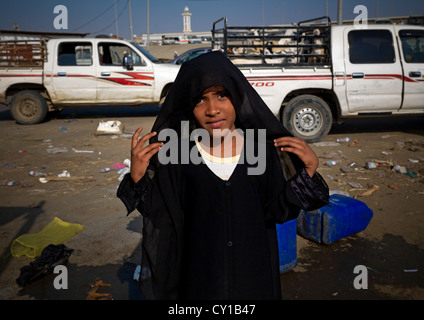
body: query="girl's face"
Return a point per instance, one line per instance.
(214, 110)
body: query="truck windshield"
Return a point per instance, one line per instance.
(146, 53)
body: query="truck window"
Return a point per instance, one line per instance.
(412, 45)
(75, 54)
(112, 54)
(371, 46)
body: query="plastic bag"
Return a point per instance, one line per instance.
(56, 232)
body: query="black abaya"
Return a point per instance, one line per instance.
(207, 238)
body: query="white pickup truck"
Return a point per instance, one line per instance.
(37, 76)
(313, 74)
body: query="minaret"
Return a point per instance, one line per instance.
(186, 20)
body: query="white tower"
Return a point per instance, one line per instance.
(186, 20)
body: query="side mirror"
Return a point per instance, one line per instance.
(128, 63)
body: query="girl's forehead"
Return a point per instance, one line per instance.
(214, 89)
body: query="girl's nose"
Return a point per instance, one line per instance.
(212, 108)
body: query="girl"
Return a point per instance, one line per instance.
(209, 228)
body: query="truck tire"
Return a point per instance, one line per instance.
(307, 117)
(28, 107)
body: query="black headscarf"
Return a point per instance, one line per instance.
(215, 69)
(163, 207)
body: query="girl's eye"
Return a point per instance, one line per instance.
(199, 100)
(222, 95)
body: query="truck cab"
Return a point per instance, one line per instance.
(94, 72)
(83, 72)
(379, 69)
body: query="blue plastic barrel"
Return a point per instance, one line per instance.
(287, 245)
(342, 217)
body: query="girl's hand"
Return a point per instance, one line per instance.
(140, 154)
(300, 148)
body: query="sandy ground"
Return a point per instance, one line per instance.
(108, 249)
(391, 247)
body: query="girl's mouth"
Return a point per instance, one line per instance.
(215, 124)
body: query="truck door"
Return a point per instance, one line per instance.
(412, 43)
(117, 83)
(373, 71)
(73, 77)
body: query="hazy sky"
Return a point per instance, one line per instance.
(98, 16)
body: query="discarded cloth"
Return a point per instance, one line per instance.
(51, 256)
(56, 232)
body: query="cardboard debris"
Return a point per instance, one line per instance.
(374, 187)
(76, 178)
(354, 144)
(109, 127)
(94, 295)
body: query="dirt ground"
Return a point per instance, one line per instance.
(108, 249)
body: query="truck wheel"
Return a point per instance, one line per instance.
(307, 117)
(28, 107)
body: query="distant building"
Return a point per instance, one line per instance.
(33, 35)
(186, 20)
(176, 37)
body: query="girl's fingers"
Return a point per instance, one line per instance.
(296, 146)
(154, 146)
(141, 154)
(135, 136)
(146, 138)
(150, 153)
(300, 148)
(139, 143)
(290, 141)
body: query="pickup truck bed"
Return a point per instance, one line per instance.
(313, 73)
